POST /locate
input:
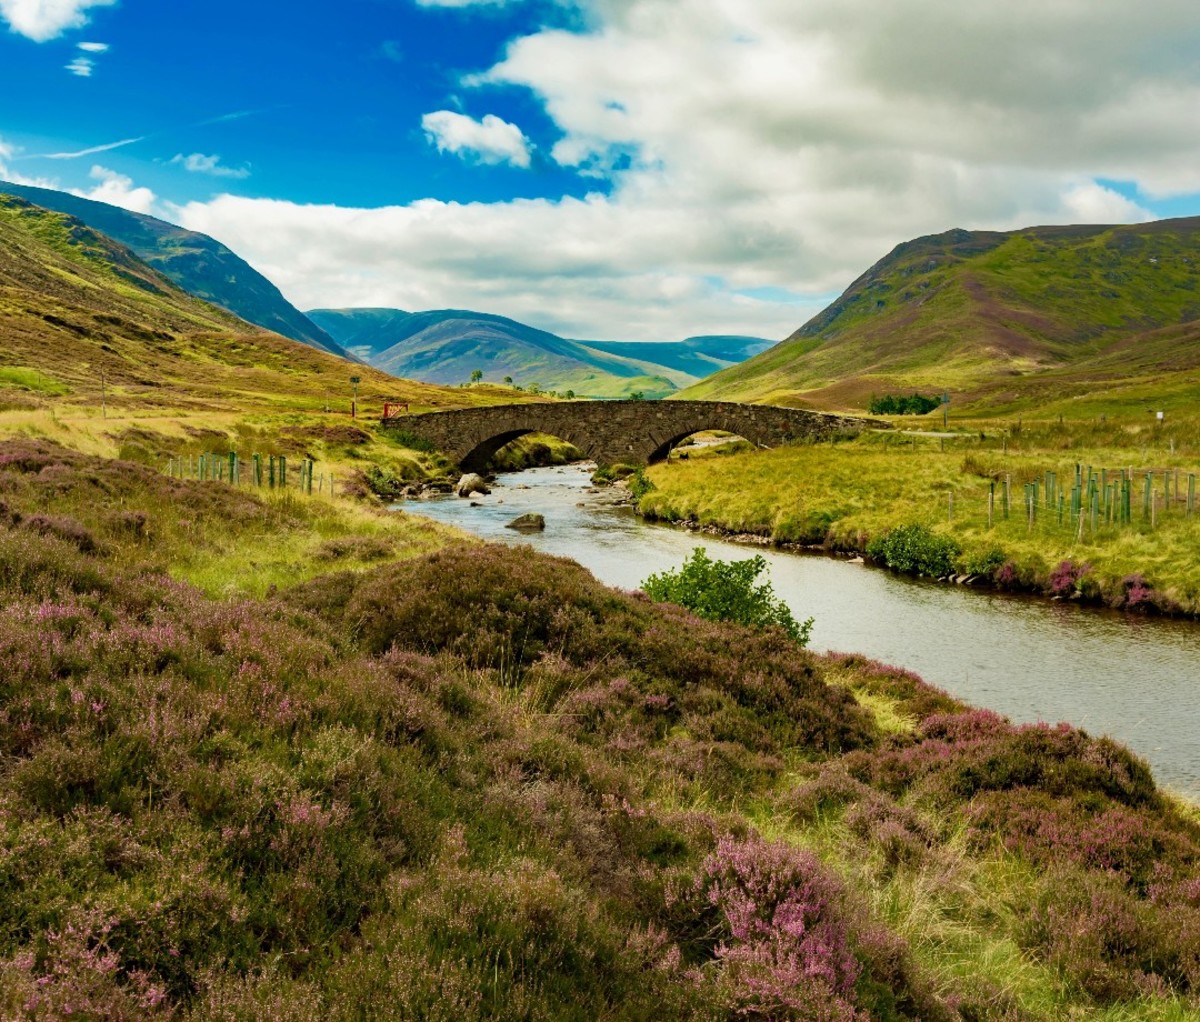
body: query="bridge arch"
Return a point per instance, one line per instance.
(611, 432)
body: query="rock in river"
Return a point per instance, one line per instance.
(471, 483)
(528, 523)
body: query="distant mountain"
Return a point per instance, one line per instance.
(199, 264)
(448, 345)
(995, 318)
(696, 356)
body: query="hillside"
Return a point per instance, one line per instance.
(199, 264)
(447, 345)
(83, 318)
(996, 318)
(696, 356)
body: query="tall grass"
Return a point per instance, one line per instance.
(845, 496)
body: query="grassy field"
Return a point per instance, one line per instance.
(474, 784)
(849, 495)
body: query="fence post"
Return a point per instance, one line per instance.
(991, 502)
(271, 474)
(1191, 498)
(282, 472)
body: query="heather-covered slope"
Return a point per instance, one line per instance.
(197, 263)
(84, 319)
(991, 316)
(477, 785)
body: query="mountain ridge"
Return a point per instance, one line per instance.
(448, 345)
(199, 264)
(978, 312)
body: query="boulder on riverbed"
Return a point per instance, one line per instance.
(472, 483)
(528, 523)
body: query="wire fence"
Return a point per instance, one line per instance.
(1094, 500)
(271, 472)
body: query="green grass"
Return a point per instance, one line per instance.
(842, 496)
(24, 378)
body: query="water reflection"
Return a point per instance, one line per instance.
(1127, 676)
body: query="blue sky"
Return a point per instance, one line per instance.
(319, 105)
(640, 169)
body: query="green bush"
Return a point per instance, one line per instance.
(915, 550)
(726, 591)
(639, 484)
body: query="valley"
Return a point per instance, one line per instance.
(272, 753)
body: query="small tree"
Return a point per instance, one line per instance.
(726, 591)
(476, 375)
(508, 380)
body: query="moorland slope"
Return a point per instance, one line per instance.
(1002, 321)
(200, 265)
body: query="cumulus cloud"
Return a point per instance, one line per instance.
(41, 20)
(198, 163)
(491, 140)
(118, 190)
(758, 146)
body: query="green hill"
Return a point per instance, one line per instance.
(696, 356)
(83, 317)
(448, 345)
(199, 264)
(997, 319)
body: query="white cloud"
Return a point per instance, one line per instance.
(752, 145)
(94, 47)
(118, 190)
(92, 150)
(490, 140)
(198, 163)
(8, 151)
(464, 3)
(82, 67)
(41, 20)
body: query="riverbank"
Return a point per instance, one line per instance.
(936, 506)
(472, 779)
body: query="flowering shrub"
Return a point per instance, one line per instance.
(1066, 578)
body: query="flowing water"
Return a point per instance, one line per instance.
(1130, 677)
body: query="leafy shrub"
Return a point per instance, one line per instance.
(915, 550)
(1066, 579)
(983, 562)
(914, 404)
(640, 484)
(726, 591)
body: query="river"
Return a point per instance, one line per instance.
(1130, 677)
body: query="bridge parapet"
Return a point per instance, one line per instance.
(612, 432)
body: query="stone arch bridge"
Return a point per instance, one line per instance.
(613, 432)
